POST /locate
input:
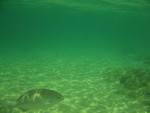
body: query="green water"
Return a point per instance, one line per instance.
(95, 53)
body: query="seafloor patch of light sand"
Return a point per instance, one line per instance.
(81, 83)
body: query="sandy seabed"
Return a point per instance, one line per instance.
(83, 83)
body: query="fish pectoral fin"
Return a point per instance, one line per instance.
(47, 102)
(24, 110)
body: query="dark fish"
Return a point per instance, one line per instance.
(37, 99)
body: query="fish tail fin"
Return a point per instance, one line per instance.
(6, 107)
(10, 107)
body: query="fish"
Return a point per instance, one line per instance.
(36, 99)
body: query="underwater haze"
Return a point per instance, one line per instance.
(96, 53)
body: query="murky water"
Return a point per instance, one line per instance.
(95, 53)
